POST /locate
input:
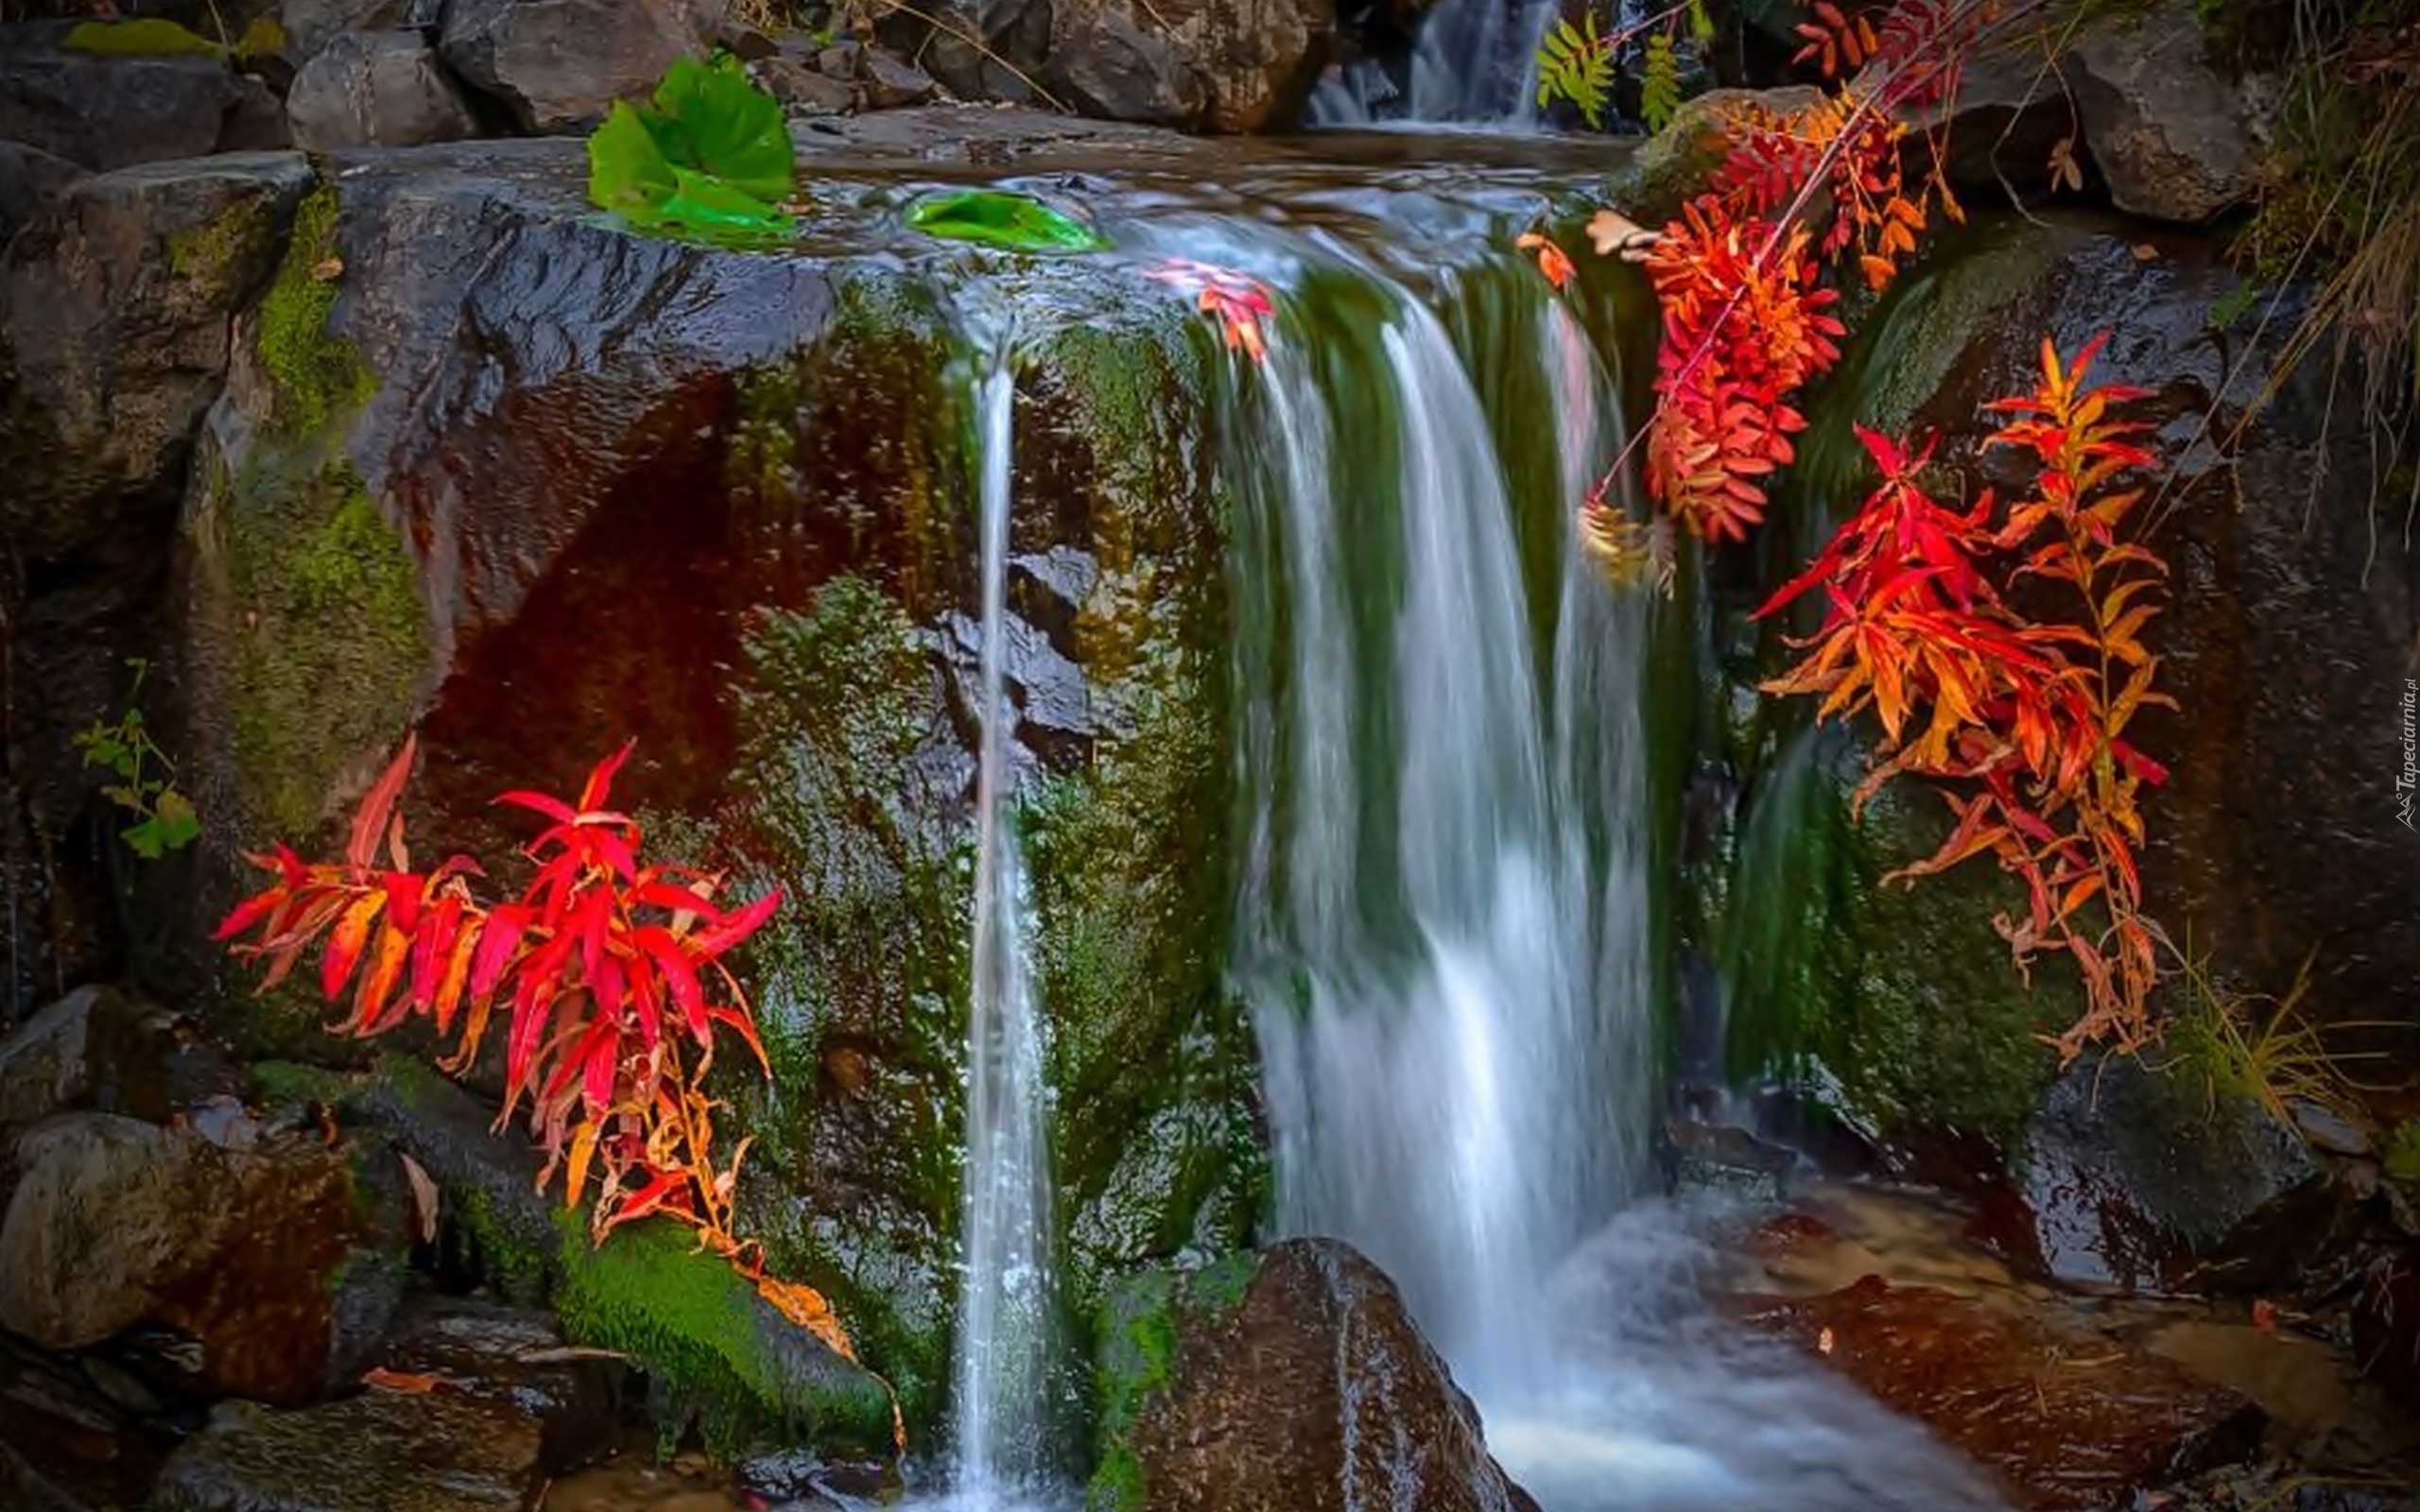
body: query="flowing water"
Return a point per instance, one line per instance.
(1004, 1302)
(1475, 63)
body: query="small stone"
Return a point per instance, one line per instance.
(44, 1065)
(375, 89)
(805, 91)
(379, 1452)
(2327, 1130)
(891, 83)
(839, 60)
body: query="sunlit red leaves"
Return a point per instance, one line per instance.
(1237, 302)
(609, 969)
(2019, 722)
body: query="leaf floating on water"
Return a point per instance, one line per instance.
(1552, 261)
(709, 155)
(1015, 223)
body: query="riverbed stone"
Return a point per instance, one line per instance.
(497, 1352)
(1292, 1380)
(2066, 1424)
(104, 111)
(375, 89)
(380, 1452)
(557, 65)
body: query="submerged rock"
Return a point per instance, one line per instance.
(2067, 1424)
(380, 1452)
(1295, 1384)
(496, 1352)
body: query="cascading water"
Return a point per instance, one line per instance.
(1004, 1308)
(1445, 922)
(1475, 63)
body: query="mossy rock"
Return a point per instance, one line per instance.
(1136, 1336)
(316, 375)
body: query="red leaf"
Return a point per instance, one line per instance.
(369, 821)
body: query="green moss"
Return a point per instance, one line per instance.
(329, 634)
(316, 375)
(486, 1246)
(210, 253)
(703, 1338)
(1138, 1338)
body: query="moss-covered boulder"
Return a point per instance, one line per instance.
(1293, 1378)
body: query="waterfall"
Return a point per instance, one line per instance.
(1474, 61)
(1448, 973)
(1004, 1306)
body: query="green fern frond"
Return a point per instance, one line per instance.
(1576, 64)
(1659, 95)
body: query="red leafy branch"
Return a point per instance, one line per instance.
(608, 973)
(2021, 724)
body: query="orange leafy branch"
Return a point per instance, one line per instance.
(607, 972)
(2020, 724)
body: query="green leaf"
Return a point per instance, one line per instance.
(1018, 223)
(1701, 23)
(146, 37)
(710, 118)
(175, 823)
(627, 171)
(145, 839)
(1576, 64)
(1659, 95)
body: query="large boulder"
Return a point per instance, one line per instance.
(2159, 1181)
(1295, 1382)
(381, 88)
(282, 1261)
(2067, 1424)
(312, 25)
(557, 65)
(105, 110)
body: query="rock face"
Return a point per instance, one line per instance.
(2145, 1181)
(2065, 1427)
(1220, 65)
(375, 89)
(380, 1452)
(269, 1258)
(2290, 622)
(557, 65)
(109, 111)
(1302, 1384)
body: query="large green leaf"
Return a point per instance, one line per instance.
(711, 118)
(711, 155)
(1018, 223)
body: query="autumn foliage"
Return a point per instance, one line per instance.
(606, 973)
(2019, 721)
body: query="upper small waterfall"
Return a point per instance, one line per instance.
(1475, 63)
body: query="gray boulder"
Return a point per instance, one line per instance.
(110, 1215)
(105, 111)
(311, 24)
(559, 65)
(382, 88)
(2176, 139)
(45, 1064)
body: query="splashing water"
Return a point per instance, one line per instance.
(1004, 1310)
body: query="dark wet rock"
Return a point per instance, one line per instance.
(2067, 1423)
(380, 89)
(1226, 65)
(891, 82)
(1715, 1157)
(44, 1065)
(282, 1264)
(2175, 138)
(497, 1352)
(557, 65)
(111, 111)
(26, 1488)
(1297, 1381)
(2137, 1178)
(804, 88)
(2386, 1326)
(30, 181)
(311, 24)
(117, 334)
(380, 1452)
